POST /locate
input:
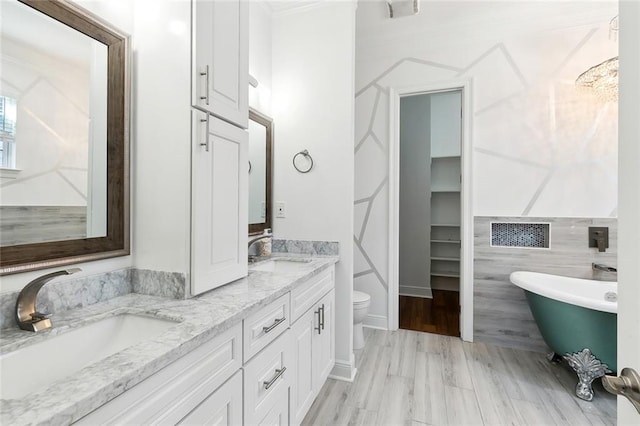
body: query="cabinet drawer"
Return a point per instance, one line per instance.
(278, 414)
(267, 378)
(171, 393)
(306, 295)
(265, 325)
(222, 407)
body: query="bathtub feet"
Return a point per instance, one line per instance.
(554, 357)
(588, 368)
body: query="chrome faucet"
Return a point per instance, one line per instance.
(266, 235)
(605, 268)
(26, 315)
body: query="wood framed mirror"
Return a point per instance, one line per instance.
(64, 196)
(260, 171)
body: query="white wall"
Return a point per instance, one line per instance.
(446, 132)
(260, 53)
(120, 14)
(540, 147)
(415, 196)
(161, 135)
(313, 66)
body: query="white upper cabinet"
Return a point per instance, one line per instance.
(219, 209)
(221, 59)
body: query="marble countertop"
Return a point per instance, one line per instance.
(200, 319)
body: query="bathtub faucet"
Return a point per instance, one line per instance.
(605, 268)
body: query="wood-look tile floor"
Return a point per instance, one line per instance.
(413, 378)
(440, 314)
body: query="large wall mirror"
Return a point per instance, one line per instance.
(64, 128)
(260, 162)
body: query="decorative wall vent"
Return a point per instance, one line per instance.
(514, 234)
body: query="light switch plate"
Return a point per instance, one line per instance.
(280, 212)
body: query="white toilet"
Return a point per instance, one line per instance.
(361, 303)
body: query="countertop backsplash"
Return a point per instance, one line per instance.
(62, 295)
(306, 247)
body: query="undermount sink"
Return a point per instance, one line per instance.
(281, 265)
(34, 367)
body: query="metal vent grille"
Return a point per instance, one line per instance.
(510, 234)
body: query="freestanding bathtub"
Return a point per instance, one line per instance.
(578, 321)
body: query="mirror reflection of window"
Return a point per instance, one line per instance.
(8, 115)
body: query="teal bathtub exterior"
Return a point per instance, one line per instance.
(568, 328)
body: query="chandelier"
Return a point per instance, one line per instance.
(603, 78)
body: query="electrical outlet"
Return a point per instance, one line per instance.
(280, 212)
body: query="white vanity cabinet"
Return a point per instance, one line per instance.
(219, 202)
(313, 336)
(173, 393)
(264, 370)
(220, 64)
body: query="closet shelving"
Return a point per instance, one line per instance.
(445, 222)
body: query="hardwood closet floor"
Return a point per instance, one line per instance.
(440, 315)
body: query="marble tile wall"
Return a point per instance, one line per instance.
(501, 314)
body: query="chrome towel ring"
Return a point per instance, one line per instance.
(306, 154)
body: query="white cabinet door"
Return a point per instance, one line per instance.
(303, 389)
(219, 185)
(222, 407)
(325, 340)
(221, 59)
(313, 336)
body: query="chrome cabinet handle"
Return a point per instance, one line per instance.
(267, 384)
(205, 74)
(206, 134)
(322, 321)
(276, 323)
(319, 327)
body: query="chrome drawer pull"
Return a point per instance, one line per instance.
(279, 373)
(276, 323)
(205, 74)
(206, 136)
(319, 327)
(322, 322)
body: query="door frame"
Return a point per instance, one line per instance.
(466, 225)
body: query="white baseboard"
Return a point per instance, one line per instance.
(344, 371)
(449, 286)
(376, 321)
(414, 291)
